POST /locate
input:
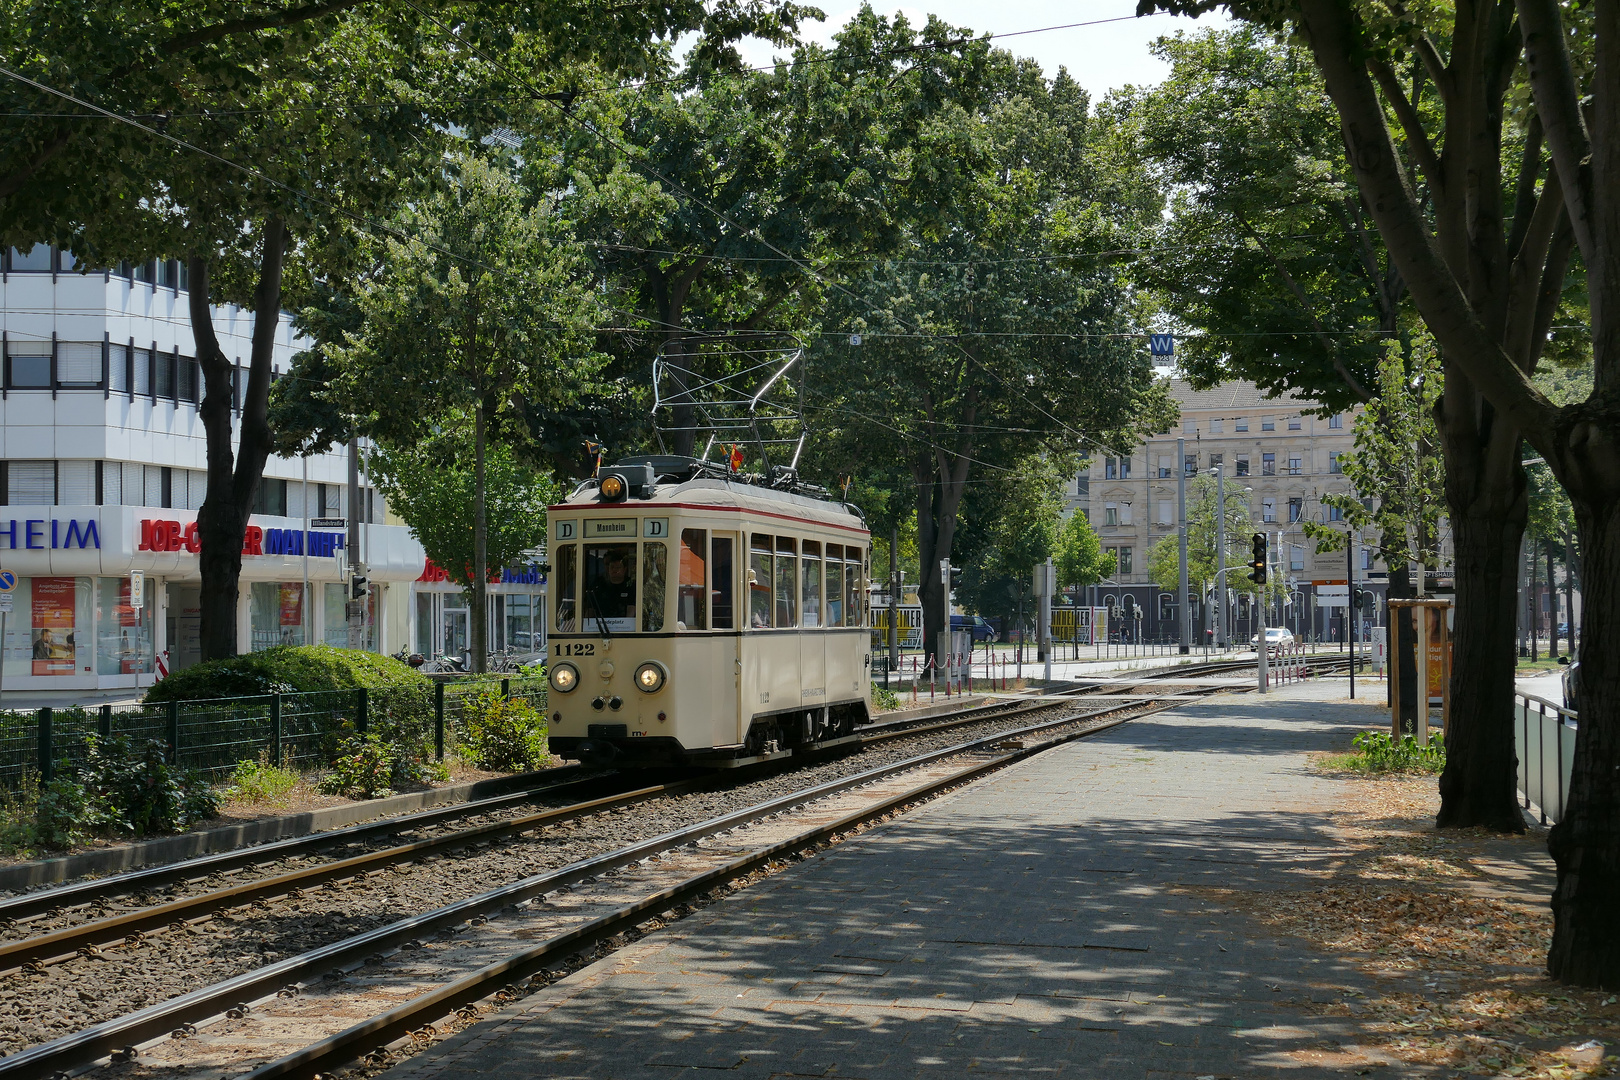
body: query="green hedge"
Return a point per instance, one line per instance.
(288, 669)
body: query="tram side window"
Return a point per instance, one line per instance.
(759, 581)
(654, 573)
(810, 611)
(835, 584)
(721, 577)
(691, 602)
(565, 582)
(787, 584)
(852, 587)
(610, 588)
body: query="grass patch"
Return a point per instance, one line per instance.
(259, 783)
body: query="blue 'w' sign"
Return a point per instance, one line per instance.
(1162, 344)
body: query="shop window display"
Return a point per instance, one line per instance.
(123, 633)
(276, 613)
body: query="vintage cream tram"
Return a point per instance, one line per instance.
(702, 618)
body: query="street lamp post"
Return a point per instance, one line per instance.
(1220, 554)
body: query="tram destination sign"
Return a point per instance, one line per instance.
(610, 528)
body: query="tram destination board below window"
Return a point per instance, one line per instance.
(607, 528)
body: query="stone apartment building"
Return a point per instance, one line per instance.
(1276, 453)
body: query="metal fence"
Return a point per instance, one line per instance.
(291, 730)
(1544, 738)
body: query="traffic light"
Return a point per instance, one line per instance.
(956, 578)
(1365, 601)
(1257, 565)
(357, 587)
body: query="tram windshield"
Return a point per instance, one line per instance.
(654, 567)
(610, 588)
(691, 597)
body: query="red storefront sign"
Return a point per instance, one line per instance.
(160, 535)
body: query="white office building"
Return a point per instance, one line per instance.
(102, 469)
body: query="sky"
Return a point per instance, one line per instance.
(1100, 58)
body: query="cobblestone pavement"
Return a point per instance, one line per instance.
(1031, 924)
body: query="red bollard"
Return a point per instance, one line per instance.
(914, 680)
(932, 676)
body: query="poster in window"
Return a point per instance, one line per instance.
(53, 606)
(292, 604)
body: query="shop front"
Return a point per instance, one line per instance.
(517, 606)
(75, 623)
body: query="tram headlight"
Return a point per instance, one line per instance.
(650, 677)
(564, 677)
(612, 487)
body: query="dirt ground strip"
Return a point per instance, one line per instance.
(1456, 925)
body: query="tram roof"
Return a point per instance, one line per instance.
(704, 493)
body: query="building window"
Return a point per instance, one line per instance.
(163, 365)
(1268, 464)
(1268, 423)
(1124, 513)
(36, 259)
(1125, 561)
(1215, 426)
(1296, 557)
(1241, 424)
(1334, 464)
(1217, 460)
(1336, 421)
(1166, 466)
(1167, 606)
(1111, 514)
(1293, 423)
(1189, 465)
(30, 483)
(1335, 513)
(29, 371)
(1189, 426)
(1110, 558)
(1124, 468)
(78, 364)
(272, 498)
(1268, 509)
(1295, 465)
(1110, 470)
(1296, 509)
(1366, 558)
(1162, 516)
(1243, 465)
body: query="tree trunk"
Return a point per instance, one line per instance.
(480, 584)
(1481, 776)
(1586, 842)
(233, 478)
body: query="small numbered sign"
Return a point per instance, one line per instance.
(137, 588)
(5, 602)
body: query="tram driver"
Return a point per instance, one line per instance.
(611, 592)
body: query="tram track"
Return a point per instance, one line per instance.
(60, 983)
(874, 791)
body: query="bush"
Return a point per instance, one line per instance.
(260, 782)
(140, 792)
(53, 817)
(1376, 751)
(504, 735)
(288, 669)
(884, 698)
(364, 768)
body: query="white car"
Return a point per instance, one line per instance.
(1275, 635)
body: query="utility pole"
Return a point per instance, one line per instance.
(894, 603)
(1182, 604)
(356, 608)
(1220, 552)
(1350, 597)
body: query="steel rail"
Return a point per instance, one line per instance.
(385, 1028)
(80, 893)
(59, 945)
(100, 1040)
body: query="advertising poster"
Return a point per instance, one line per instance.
(53, 605)
(129, 621)
(292, 605)
(1439, 650)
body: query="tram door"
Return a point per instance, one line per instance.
(812, 613)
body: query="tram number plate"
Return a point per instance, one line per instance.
(576, 648)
